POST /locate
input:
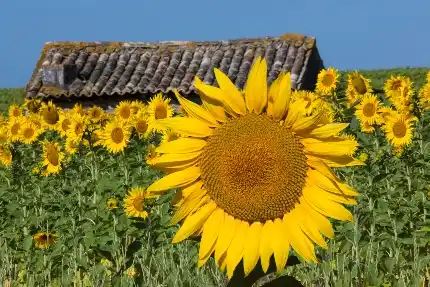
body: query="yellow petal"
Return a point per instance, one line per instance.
(326, 206)
(232, 96)
(341, 161)
(186, 126)
(294, 111)
(235, 250)
(322, 168)
(182, 145)
(282, 101)
(256, 87)
(251, 248)
(298, 240)
(227, 231)
(309, 227)
(188, 205)
(305, 123)
(194, 222)
(216, 95)
(196, 111)
(266, 250)
(322, 222)
(176, 179)
(280, 244)
(328, 130)
(273, 93)
(172, 158)
(322, 181)
(329, 148)
(189, 189)
(214, 107)
(210, 233)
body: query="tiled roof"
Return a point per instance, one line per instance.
(79, 69)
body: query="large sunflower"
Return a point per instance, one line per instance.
(115, 136)
(141, 124)
(256, 183)
(52, 157)
(399, 129)
(33, 105)
(327, 81)
(367, 110)
(95, 114)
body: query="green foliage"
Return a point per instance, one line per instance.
(9, 97)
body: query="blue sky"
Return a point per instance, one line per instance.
(350, 34)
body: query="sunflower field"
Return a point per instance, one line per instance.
(267, 186)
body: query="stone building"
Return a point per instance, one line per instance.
(104, 73)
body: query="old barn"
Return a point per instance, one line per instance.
(104, 73)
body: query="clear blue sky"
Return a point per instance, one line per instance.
(350, 34)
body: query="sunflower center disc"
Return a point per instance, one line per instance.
(117, 135)
(138, 204)
(65, 124)
(15, 129)
(141, 126)
(51, 116)
(28, 133)
(160, 112)
(52, 155)
(399, 130)
(327, 80)
(369, 110)
(254, 168)
(125, 113)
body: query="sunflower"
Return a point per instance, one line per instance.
(44, 240)
(134, 202)
(112, 203)
(385, 112)
(52, 157)
(95, 114)
(137, 106)
(70, 146)
(33, 105)
(168, 136)
(15, 111)
(140, 124)
(399, 130)
(393, 85)
(14, 128)
(358, 86)
(327, 81)
(77, 127)
(37, 120)
(49, 113)
(257, 183)
(5, 154)
(63, 124)
(367, 127)
(311, 99)
(151, 153)
(115, 136)
(159, 108)
(78, 109)
(3, 134)
(29, 132)
(366, 111)
(123, 111)
(424, 97)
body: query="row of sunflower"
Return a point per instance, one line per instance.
(38, 122)
(394, 111)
